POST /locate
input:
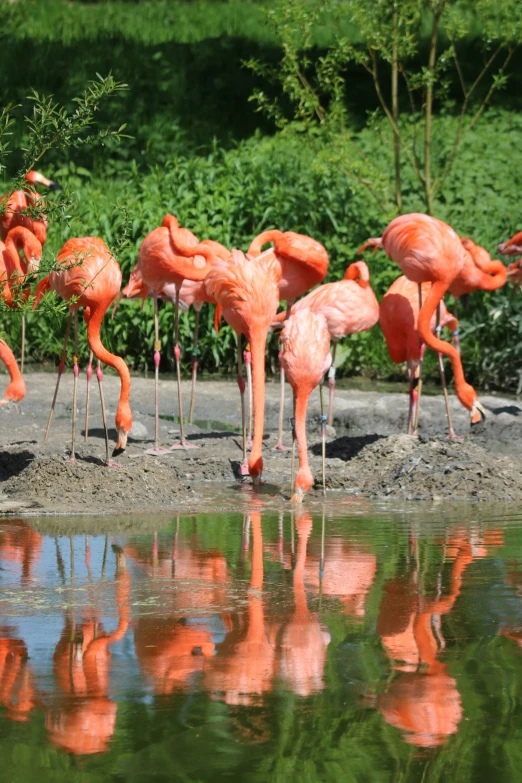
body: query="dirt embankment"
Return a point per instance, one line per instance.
(367, 453)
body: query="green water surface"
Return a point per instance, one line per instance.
(355, 642)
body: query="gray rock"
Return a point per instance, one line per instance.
(138, 430)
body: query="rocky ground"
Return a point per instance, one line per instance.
(367, 452)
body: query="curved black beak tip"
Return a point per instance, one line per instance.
(55, 186)
(480, 421)
(117, 451)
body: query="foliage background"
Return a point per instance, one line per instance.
(201, 151)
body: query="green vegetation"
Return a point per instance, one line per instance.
(200, 150)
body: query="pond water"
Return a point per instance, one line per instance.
(351, 642)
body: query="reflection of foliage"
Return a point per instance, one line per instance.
(337, 734)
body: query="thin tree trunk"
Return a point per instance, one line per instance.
(428, 191)
(395, 114)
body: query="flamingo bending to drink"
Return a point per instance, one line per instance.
(428, 250)
(349, 306)
(305, 358)
(91, 278)
(399, 313)
(304, 263)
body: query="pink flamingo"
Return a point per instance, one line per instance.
(16, 204)
(305, 357)
(159, 264)
(304, 264)
(13, 272)
(428, 250)
(399, 313)
(89, 275)
(349, 306)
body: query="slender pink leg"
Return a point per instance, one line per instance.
(243, 470)
(76, 373)
(61, 368)
(194, 365)
(412, 399)
(247, 355)
(417, 392)
(99, 377)
(456, 338)
(183, 443)
(331, 384)
(451, 432)
(88, 373)
(22, 357)
(157, 450)
(279, 445)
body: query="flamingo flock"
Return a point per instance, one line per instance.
(247, 290)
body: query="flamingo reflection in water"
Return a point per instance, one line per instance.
(423, 701)
(83, 719)
(304, 639)
(174, 649)
(19, 544)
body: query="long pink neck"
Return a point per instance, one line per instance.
(257, 348)
(181, 248)
(16, 389)
(301, 605)
(15, 241)
(304, 474)
(97, 312)
(262, 239)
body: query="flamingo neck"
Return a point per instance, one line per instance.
(262, 239)
(97, 311)
(301, 604)
(15, 241)
(257, 349)
(304, 478)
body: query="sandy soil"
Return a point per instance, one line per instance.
(367, 452)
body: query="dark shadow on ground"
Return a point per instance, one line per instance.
(345, 447)
(14, 464)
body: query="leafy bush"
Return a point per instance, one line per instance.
(291, 183)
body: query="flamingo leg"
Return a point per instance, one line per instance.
(183, 443)
(88, 373)
(156, 451)
(22, 357)
(292, 424)
(456, 338)
(194, 366)
(61, 367)
(99, 376)
(323, 436)
(413, 397)
(451, 432)
(331, 384)
(243, 470)
(247, 355)
(76, 373)
(419, 381)
(279, 445)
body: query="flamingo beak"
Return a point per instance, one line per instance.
(478, 413)
(54, 186)
(33, 265)
(121, 444)
(298, 497)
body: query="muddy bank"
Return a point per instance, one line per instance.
(366, 453)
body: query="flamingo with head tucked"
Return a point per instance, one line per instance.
(15, 204)
(304, 263)
(160, 264)
(428, 250)
(90, 277)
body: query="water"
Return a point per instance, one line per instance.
(359, 642)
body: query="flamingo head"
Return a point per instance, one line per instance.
(32, 251)
(303, 482)
(477, 413)
(255, 468)
(35, 178)
(513, 246)
(123, 427)
(358, 271)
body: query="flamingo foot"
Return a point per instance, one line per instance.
(297, 498)
(243, 469)
(249, 444)
(452, 435)
(279, 447)
(183, 444)
(156, 451)
(110, 464)
(73, 460)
